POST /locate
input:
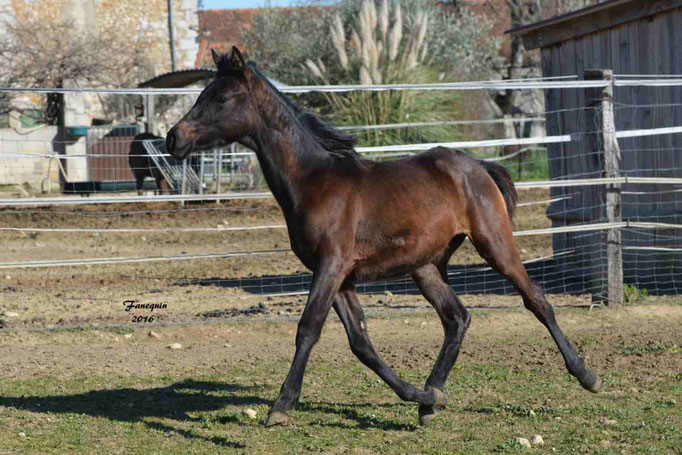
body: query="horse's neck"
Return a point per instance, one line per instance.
(286, 157)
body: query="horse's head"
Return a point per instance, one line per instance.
(222, 114)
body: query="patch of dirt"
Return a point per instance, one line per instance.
(64, 296)
(510, 337)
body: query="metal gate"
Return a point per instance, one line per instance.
(107, 149)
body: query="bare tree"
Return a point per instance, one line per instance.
(518, 62)
(37, 50)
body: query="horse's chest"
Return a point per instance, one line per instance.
(304, 244)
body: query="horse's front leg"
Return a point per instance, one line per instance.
(327, 279)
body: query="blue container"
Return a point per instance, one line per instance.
(77, 130)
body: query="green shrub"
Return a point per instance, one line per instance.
(633, 295)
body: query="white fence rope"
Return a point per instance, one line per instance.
(134, 260)
(458, 144)
(517, 84)
(389, 126)
(185, 257)
(658, 82)
(546, 201)
(476, 85)
(653, 248)
(79, 200)
(146, 230)
(471, 144)
(599, 181)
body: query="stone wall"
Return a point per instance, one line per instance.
(137, 25)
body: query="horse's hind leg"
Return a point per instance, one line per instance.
(455, 320)
(491, 234)
(350, 312)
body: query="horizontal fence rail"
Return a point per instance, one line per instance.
(233, 254)
(425, 146)
(515, 84)
(79, 200)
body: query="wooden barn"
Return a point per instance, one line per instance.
(634, 39)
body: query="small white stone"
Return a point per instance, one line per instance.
(128, 336)
(175, 346)
(523, 441)
(610, 421)
(227, 345)
(12, 314)
(537, 440)
(531, 413)
(153, 334)
(22, 434)
(389, 293)
(250, 413)
(7, 277)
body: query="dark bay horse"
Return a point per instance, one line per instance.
(352, 220)
(142, 165)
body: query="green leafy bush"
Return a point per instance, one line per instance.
(633, 295)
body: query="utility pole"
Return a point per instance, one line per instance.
(171, 33)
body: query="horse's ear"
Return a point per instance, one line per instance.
(216, 57)
(237, 60)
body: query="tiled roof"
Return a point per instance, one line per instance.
(220, 29)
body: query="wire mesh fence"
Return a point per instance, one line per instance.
(207, 232)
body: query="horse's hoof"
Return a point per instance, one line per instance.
(591, 382)
(427, 414)
(276, 418)
(439, 397)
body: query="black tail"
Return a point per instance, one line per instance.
(504, 182)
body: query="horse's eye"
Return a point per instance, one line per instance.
(221, 99)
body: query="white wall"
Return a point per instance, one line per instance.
(17, 169)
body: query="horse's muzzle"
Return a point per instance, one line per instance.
(171, 145)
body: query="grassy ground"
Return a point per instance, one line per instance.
(99, 392)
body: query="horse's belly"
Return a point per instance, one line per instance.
(394, 262)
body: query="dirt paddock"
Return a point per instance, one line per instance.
(79, 375)
(94, 294)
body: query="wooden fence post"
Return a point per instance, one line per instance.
(603, 141)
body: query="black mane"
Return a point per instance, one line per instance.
(328, 137)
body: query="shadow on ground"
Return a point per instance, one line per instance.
(180, 399)
(464, 279)
(135, 405)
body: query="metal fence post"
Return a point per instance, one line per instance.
(219, 172)
(183, 185)
(149, 112)
(606, 145)
(202, 171)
